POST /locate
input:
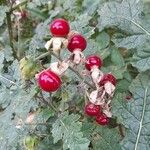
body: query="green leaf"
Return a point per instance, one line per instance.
(68, 128)
(91, 6)
(141, 59)
(130, 42)
(116, 57)
(43, 115)
(3, 10)
(95, 47)
(36, 3)
(105, 138)
(13, 118)
(122, 86)
(124, 15)
(134, 114)
(103, 39)
(115, 70)
(81, 25)
(47, 144)
(4, 97)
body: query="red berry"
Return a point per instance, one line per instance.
(108, 78)
(92, 61)
(77, 41)
(102, 119)
(59, 28)
(49, 81)
(92, 110)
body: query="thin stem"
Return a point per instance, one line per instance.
(42, 56)
(10, 31)
(19, 5)
(72, 69)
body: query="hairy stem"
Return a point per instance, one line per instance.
(71, 68)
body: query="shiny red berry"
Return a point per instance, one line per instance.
(92, 61)
(102, 119)
(108, 78)
(49, 81)
(92, 110)
(59, 28)
(77, 41)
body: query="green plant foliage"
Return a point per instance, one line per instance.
(3, 10)
(106, 139)
(31, 119)
(68, 128)
(134, 114)
(124, 15)
(141, 59)
(13, 119)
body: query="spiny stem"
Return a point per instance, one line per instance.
(72, 69)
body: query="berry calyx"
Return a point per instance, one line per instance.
(93, 61)
(59, 28)
(49, 81)
(92, 110)
(102, 119)
(108, 78)
(77, 42)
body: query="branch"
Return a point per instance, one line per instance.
(72, 69)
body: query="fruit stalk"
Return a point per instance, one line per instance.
(72, 69)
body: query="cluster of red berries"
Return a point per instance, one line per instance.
(93, 110)
(94, 62)
(50, 81)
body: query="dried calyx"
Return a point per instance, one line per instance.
(59, 29)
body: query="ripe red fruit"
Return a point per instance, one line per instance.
(59, 28)
(77, 41)
(92, 110)
(108, 78)
(49, 81)
(102, 119)
(92, 61)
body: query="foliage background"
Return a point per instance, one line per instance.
(117, 30)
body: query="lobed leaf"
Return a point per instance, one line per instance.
(134, 114)
(68, 128)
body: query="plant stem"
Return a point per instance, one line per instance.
(10, 31)
(19, 5)
(71, 68)
(42, 56)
